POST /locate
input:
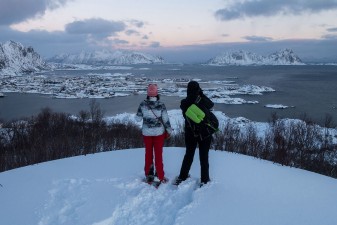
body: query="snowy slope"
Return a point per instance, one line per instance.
(282, 57)
(17, 59)
(106, 57)
(106, 189)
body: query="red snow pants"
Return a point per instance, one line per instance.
(154, 144)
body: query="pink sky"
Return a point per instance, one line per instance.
(152, 25)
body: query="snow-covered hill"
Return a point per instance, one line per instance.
(283, 57)
(17, 59)
(106, 57)
(106, 189)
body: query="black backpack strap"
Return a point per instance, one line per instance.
(160, 119)
(198, 99)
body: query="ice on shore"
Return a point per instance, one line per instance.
(278, 106)
(108, 85)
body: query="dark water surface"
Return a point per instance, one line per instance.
(310, 89)
(23, 105)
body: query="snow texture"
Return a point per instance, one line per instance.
(106, 189)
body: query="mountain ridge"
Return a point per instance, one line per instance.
(16, 59)
(106, 57)
(241, 57)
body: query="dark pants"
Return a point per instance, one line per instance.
(191, 145)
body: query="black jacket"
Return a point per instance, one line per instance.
(204, 104)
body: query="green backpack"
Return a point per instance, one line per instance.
(195, 113)
(198, 116)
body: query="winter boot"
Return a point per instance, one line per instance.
(149, 179)
(178, 180)
(164, 180)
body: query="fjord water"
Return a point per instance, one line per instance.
(311, 89)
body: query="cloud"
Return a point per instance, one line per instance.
(131, 32)
(334, 29)
(120, 42)
(50, 43)
(314, 50)
(137, 23)
(85, 35)
(15, 11)
(257, 38)
(330, 36)
(270, 8)
(46, 43)
(155, 44)
(39, 37)
(95, 26)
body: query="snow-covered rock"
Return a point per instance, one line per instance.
(17, 59)
(120, 57)
(283, 57)
(236, 58)
(278, 106)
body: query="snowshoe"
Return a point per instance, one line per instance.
(149, 179)
(178, 180)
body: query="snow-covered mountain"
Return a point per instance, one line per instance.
(17, 59)
(120, 57)
(282, 57)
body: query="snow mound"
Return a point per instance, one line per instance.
(106, 189)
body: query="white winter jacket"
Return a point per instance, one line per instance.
(154, 116)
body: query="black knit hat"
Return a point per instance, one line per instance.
(193, 88)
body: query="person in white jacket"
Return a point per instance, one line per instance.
(156, 126)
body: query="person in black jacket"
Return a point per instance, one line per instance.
(194, 134)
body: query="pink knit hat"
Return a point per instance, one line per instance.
(152, 90)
